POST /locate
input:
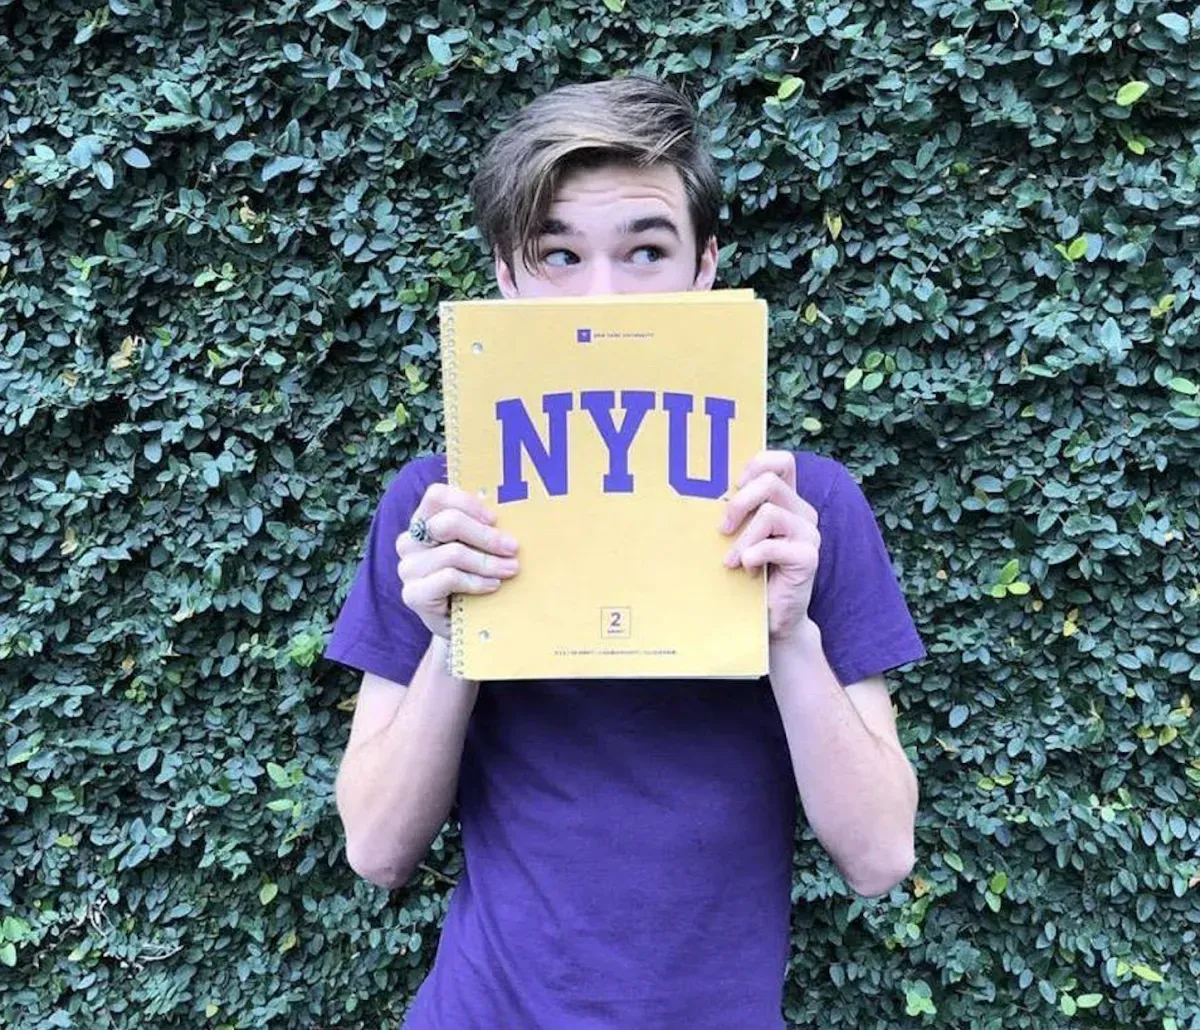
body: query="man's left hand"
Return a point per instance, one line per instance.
(779, 532)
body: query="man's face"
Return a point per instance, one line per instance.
(614, 229)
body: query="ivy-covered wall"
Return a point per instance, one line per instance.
(225, 231)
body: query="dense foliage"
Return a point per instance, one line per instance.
(225, 231)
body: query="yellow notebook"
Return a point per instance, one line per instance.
(606, 433)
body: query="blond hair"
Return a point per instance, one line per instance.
(630, 121)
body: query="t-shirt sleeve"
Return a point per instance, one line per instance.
(866, 627)
(375, 631)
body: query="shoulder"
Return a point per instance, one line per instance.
(408, 485)
(825, 482)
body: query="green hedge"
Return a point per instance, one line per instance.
(225, 231)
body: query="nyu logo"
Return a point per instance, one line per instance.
(583, 336)
(518, 433)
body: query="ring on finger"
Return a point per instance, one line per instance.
(418, 529)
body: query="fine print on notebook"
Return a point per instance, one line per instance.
(607, 433)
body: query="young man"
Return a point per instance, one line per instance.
(628, 845)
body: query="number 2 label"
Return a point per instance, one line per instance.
(615, 622)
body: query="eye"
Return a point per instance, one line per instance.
(647, 255)
(559, 258)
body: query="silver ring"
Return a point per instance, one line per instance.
(418, 529)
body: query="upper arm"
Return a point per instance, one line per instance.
(378, 702)
(874, 706)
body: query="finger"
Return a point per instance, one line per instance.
(782, 463)
(452, 524)
(432, 591)
(769, 521)
(779, 551)
(441, 497)
(767, 486)
(428, 560)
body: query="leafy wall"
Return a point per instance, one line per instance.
(225, 231)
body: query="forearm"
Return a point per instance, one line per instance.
(859, 792)
(395, 789)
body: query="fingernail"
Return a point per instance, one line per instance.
(507, 542)
(731, 560)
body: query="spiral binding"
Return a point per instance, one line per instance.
(458, 615)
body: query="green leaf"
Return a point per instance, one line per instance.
(1077, 248)
(1058, 553)
(1010, 572)
(1175, 24)
(84, 151)
(1089, 1001)
(824, 259)
(958, 715)
(375, 16)
(8, 954)
(104, 174)
(1131, 93)
(953, 861)
(811, 425)
(170, 122)
(278, 775)
(177, 97)
(853, 378)
(789, 86)
(918, 1000)
(280, 165)
(998, 883)
(873, 381)
(1164, 304)
(616, 6)
(136, 158)
(440, 49)
(1067, 1004)
(1184, 386)
(238, 152)
(267, 893)
(1146, 973)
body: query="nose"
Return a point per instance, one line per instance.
(601, 279)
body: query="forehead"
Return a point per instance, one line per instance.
(657, 189)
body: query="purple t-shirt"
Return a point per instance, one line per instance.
(627, 843)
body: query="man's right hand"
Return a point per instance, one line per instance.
(466, 554)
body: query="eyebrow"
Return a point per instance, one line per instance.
(555, 227)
